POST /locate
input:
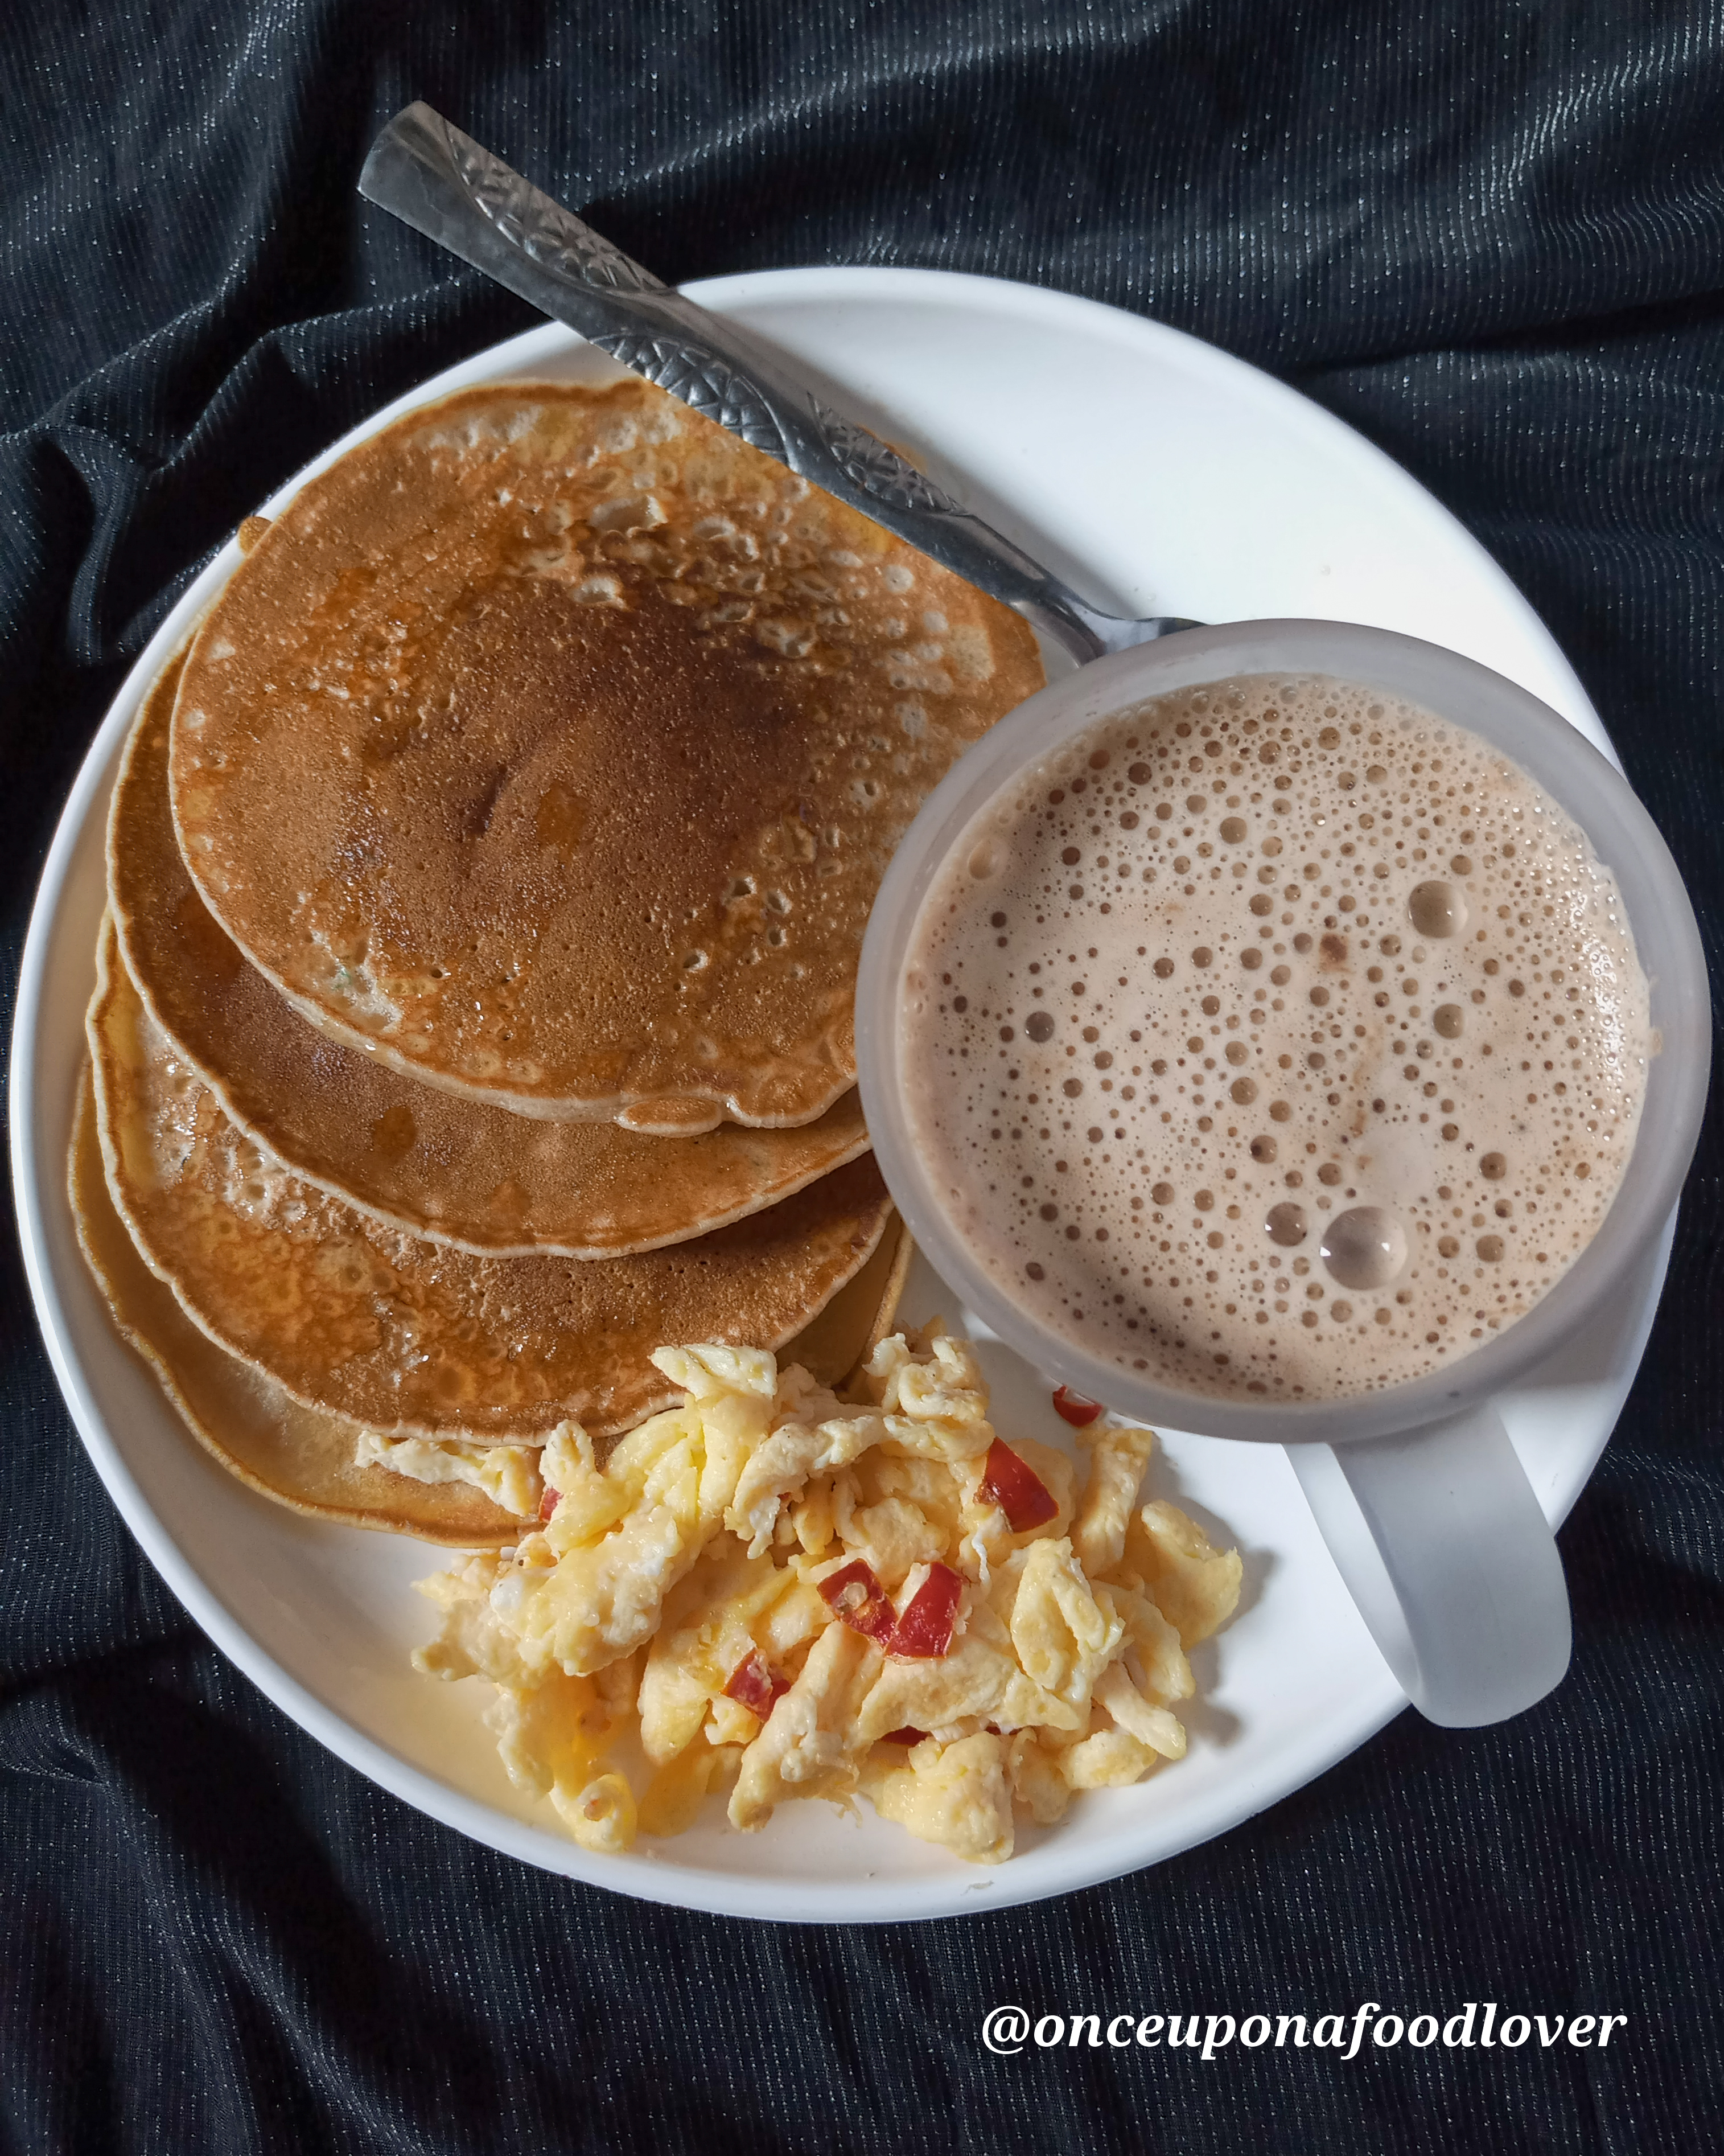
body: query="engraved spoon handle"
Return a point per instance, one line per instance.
(442, 182)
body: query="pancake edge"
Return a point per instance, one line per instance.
(662, 1396)
(504, 1529)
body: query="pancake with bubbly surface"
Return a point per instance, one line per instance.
(412, 1337)
(553, 744)
(466, 1172)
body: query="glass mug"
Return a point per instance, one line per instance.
(1478, 1627)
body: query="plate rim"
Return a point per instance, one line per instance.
(641, 1876)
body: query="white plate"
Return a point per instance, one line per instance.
(1168, 478)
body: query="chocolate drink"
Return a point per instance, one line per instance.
(1275, 1038)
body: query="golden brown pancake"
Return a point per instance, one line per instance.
(414, 1338)
(292, 1453)
(305, 1459)
(551, 746)
(462, 1171)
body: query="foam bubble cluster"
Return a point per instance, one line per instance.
(1277, 1037)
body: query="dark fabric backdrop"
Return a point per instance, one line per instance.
(1490, 234)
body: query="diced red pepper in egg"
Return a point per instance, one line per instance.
(1073, 1408)
(549, 1502)
(754, 1686)
(854, 1595)
(1017, 1489)
(923, 1631)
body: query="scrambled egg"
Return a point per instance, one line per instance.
(773, 1594)
(507, 1474)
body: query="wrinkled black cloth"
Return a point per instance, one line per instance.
(1490, 236)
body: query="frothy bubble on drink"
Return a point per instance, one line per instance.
(1287, 1225)
(1364, 1247)
(1437, 909)
(1276, 1038)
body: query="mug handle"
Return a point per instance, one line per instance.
(1460, 1581)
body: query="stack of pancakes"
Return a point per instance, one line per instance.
(486, 883)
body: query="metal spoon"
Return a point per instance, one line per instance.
(444, 184)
